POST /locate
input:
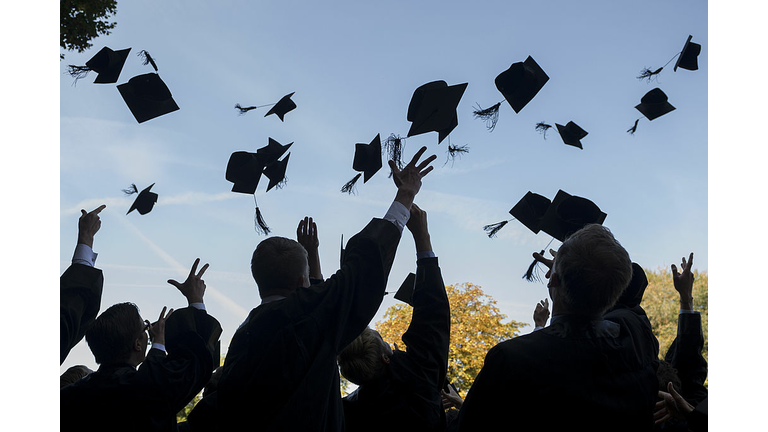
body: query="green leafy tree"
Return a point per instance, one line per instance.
(662, 304)
(476, 327)
(83, 20)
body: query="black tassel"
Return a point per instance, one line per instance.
(244, 110)
(542, 128)
(259, 223)
(454, 152)
(77, 72)
(492, 229)
(147, 59)
(533, 271)
(282, 183)
(490, 115)
(394, 147)
(349, 187)
(131, 190)
(648, 74)
(632, 130)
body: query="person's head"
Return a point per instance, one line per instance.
(590, 272)
(365, 358)
(118, 335)
(74, 374)
(279, 266)
(666, 373)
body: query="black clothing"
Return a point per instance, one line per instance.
(408, 397)
(685, 355)
(597, 375)
(280, 372)
(80, 299)
(119, 397)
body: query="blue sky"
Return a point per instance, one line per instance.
(353, 68)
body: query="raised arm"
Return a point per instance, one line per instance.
(306, 235)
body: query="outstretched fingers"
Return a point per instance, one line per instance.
(194, 268)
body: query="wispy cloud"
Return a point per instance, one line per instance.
(183, 271)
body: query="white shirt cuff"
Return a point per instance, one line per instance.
(537, 328)
(398, 215)
(159, 346)
(200, 306)
(425, 254)
(84, 255)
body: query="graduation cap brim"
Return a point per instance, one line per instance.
(433, 108)
(688, 58)
(405, 292)
(654, 104)
(571, 134)
(108, 64)
(367, 158)
(244, 170)
(144, 202)
(568, 214)
(275, 172)
(521, 83)
(147, 97)
(530, 209)
(282, 107)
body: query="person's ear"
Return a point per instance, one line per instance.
(385, 358)
(137, 345)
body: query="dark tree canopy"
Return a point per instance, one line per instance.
(83, 20)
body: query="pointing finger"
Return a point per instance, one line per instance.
(162, 313)
(194, 267)
(99, 209)
(174, 283)
(84, 213)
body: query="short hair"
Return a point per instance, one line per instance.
(360, 361)
(594, 269)
(74, 374)
(112, 334)
(667, 373)
(277, 263)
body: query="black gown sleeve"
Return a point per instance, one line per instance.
(685, 355)
(80, 299)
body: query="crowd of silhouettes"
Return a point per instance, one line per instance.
(595, 366)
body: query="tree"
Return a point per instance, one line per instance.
(82, 20)
(661, 303)
(476, 327)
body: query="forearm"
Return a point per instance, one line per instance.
(313, 257)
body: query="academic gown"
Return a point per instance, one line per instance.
(280, 372)
(80, 299)
(596, 375)
(685, 355)
(408, 396)
(119, 397)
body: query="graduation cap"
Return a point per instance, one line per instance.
(568, 214)
(433, 108)
(688, 56)
(144, 201)
(147, 97)
(571, 134)
(686, 59)
(633, 293)
(280, 108)
(405, 292)
(519, 85)
(244, 169)
(654, 104)
(367, 160)
(107, 63)
(528, 211)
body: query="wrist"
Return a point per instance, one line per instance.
(191, 300)
(85, 239)
(405, 197)
(423, 243)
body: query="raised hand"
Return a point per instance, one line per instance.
(88, 225)
(546, 261)
(684, 283)
(157, 329)
(541, 313)
(194, 287)
(408, 180)
(450, 398)
(671, 405)
(417, 224)
(306, 235)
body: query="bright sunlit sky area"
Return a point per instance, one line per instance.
(670, 189)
